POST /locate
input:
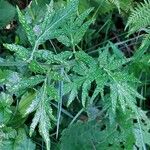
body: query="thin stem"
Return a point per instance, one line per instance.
(63, 110)
(116, 44)
(77, 115)
(60, 102)
(53, 46)
(32, 54)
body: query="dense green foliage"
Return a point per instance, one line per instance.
(74, 75)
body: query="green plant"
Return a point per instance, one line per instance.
(50, 75)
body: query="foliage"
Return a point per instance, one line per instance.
(138, 18)
(7, 12)
(51, 79)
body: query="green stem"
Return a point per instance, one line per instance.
(60, 102)
(77, 115)
(32, 54)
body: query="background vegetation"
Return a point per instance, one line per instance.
(74, 75)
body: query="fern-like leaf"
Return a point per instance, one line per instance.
(28, 29)
(43, 114)
(74, 29)
(139, 17)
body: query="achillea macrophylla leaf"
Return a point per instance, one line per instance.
(141, 129)
(5, 108)
(36, 67)
(25, 83)
(44, 55)
(52, 92)
(44, 126)
(74, 30)
(101, 81)
(111, 62)
(28, 29)
(51, 58)
(4, 74)
(20, 51)
(122, 76)
(43, 112)
(72, 88)
(123, 95)
(83, 57)
(85, 88)
(108, 71)
(73, 94)
(35, 102)
(55, 76)
(35, 121)
(54, 19)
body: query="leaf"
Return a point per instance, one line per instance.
(7, 12)
(43, 114)
(15, 140)
(117, 3)
(97, 135)
(72, 95)
(5, 108)
(54, 20)
(85, 58)
(36, 67)
(4, 74)
(25, 102)
(52, 92)
(25, 83)
(8, 134)
(22, 142)
(125, 94)
(22, 52)
(74, 30)
(139, 17)
(27, 27)
(111, 62)
(85, 89)
(141, 129)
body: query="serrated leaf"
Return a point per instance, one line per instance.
(43, 114)
(55, 20)
(125, 95)
(5, 108)
(83, 57)
(27, 27)
(74, 30)
(141, 129)
(20, 51)
(36, 67)
(72, 95)
(35, 121)
(52, 92)
(25, 83)
(85, 89)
